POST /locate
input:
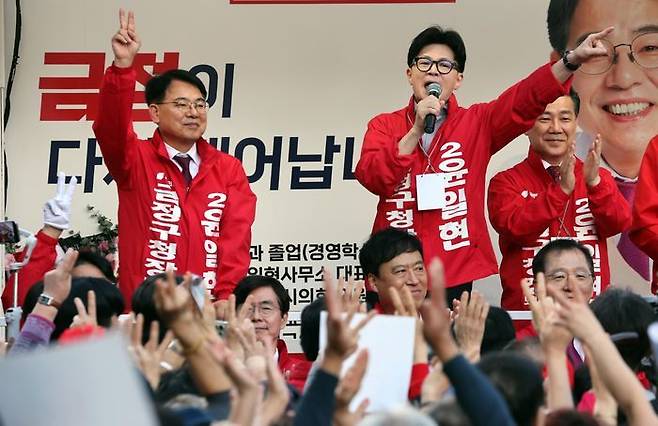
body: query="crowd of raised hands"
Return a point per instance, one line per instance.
(237, 380)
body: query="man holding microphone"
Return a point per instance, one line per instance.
(430, 178)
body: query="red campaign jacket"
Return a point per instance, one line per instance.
(461, 148)
(42, 260)
(294, 368)
(526, 207)
(205, 229)
(644, 231)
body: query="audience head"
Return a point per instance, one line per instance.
(92, 264)
(447, 412)
(310, 328)
(625, 316)
(498, 330)
(569, 417)
(402, 416)
(271, 304)
(109, 302)
(143, 302)
(530, 347)
(567, 265)
(520, 382)
(393, 259)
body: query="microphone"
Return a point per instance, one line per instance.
(433, 89)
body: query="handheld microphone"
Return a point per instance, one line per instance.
(433, 89)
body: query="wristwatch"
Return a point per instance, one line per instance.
(48, 300)
(570, 66)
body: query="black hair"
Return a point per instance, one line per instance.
(576, 101)
(109, 302)
(558, 21)
(621, 310)
(558, 246)
(519, 381)
(157, 86)
(310, 329)
(252, 282)
(447, 412)
(437, 35)
(89, 257)
(385, 245)
(143, 302)
(498, 330)
(570, 417)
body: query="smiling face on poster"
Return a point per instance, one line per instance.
(618, 92)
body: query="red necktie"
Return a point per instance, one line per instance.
(184, 161)
(554, 171)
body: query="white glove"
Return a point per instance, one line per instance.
(57, 210)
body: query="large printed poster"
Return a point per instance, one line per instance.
(291, 88)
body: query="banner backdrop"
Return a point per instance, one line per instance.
(292, 87)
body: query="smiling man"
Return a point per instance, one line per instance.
(393, 259)
(430, 179)
(619, 92)
(182, 203)
(553, 195)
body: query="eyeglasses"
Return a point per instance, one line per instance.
(265, 309)
(184, 105)
(560, 277)
(443, 66)
(643, 51)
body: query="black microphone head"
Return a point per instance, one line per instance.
(434, 89)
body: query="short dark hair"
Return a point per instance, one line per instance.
(252, 282)
(558, 246)
(89, 257)
(157, 86)
(143, 302)
(576, 100)
(437, 35)
(310, 329)
(498, 330)
(385, 245)
(570, 417)
(558, 21)
(621, 310)
(519, 380)
(109, 302)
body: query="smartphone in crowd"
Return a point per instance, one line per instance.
(198, 290)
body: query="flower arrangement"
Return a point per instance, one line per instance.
(104, 243)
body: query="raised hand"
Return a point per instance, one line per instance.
(57, 210)
(469, 318)
(86, 316)
(125, 42)
(436, 317)
(172, 300)
(592, 163)
(591, 47)
(567, 171)
(545, 316)
(342, 338)
(57, 282)
(347, 388)
(148, 357)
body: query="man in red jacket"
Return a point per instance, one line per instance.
(553, 195)
(430, 181)
(182, 203)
